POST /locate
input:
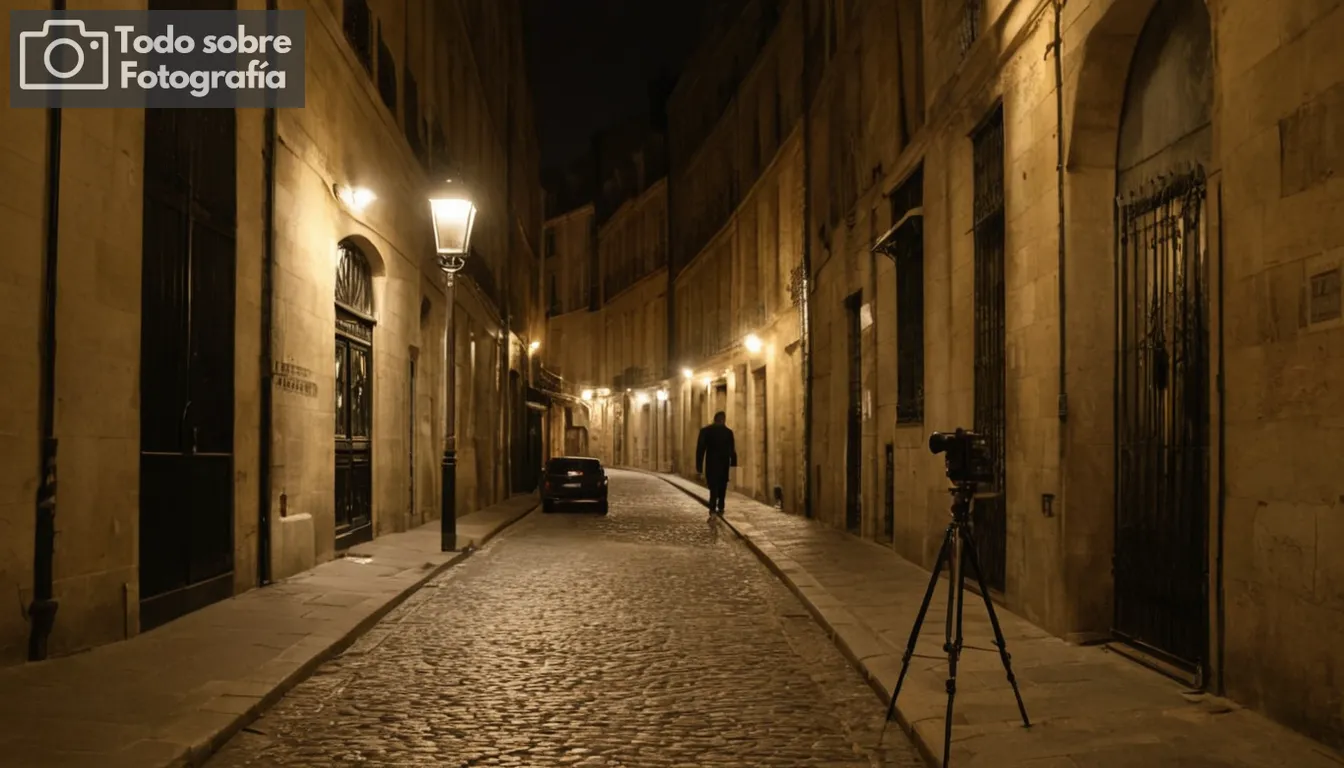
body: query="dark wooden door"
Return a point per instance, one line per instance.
(854, 420)
(186, 362)
(353, 393)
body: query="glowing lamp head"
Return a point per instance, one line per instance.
(707, 381)
(753, 344)
(534, 346)
(454, 215)
(662, 395)
(587, 394)
(688, 373)
(642, 398)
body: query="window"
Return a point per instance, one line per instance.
(550, 243)
(970, 24)
(412, 116)
(356, 21)
(387, 73)
(909, 256)
(555, 308)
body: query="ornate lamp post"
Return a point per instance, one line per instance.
(454, 215)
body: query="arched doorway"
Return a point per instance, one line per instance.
(1162, 338)
(354, 396)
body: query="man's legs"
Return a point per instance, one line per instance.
(718, 492)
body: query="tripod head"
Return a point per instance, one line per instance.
(963, 492)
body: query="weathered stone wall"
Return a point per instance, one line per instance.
(345, 135)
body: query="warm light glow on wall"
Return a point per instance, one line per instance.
(587, 394)
(688, 373)
(642, 398)
(355, 198)
(603, 392)
(534, 346)
(707, 381)
(753, 343)
(662, 395)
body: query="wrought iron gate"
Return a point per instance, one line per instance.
(854, 425)
(1162, 420)
(990, 517)
(186, 362)
(354, 398)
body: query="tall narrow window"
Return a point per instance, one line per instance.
(387, 73)
(990, 351)
(356, 21)
(412, 116)
(908, 251)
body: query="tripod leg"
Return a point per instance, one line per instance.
(969, 544)
(956, 596)
(943, 555)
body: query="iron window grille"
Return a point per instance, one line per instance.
(990, 516)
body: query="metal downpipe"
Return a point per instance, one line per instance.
(266, 435)
(42, 610)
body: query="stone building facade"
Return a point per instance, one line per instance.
(210, 444)
(1098, 234)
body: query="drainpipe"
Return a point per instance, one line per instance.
(267, 342)
(1220, 601)
(42, 610)
(805, 285)
(1059, 178)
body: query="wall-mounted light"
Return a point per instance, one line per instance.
(662, 395)
(587, 394)
(642, 398)
(753, 343)
(356, 199)
(688, 373)
(534, 346)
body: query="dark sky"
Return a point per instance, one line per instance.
(590, 63)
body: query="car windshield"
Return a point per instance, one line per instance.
(566, 465)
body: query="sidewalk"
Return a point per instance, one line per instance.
(171, 696)
(1089, 708)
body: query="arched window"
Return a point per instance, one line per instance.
(354, 279)
(353, 396)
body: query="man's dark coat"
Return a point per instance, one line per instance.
(715, 452)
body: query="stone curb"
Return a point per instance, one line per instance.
(202, 751)
(858, 635)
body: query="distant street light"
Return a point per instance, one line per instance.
(587, 394)
(688, 373)
(454, 215)
(662, 395)
(534, 346)
(753, 343)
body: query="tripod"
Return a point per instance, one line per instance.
(958, 551)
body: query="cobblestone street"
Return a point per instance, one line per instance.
(646, 638)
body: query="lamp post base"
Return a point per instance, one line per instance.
(448, 504)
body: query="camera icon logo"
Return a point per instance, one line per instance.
(64, 56)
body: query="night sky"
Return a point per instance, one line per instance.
(590, 62)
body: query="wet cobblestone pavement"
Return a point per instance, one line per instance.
(646, 638)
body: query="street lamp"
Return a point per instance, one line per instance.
(534, 346)
(454, 215)
(662, 395)
(587, 394)
(753, 344)
(688, 373)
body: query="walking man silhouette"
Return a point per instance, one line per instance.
(715, 454)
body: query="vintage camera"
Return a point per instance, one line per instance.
(967, 458)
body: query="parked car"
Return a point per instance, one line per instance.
(574, 479)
